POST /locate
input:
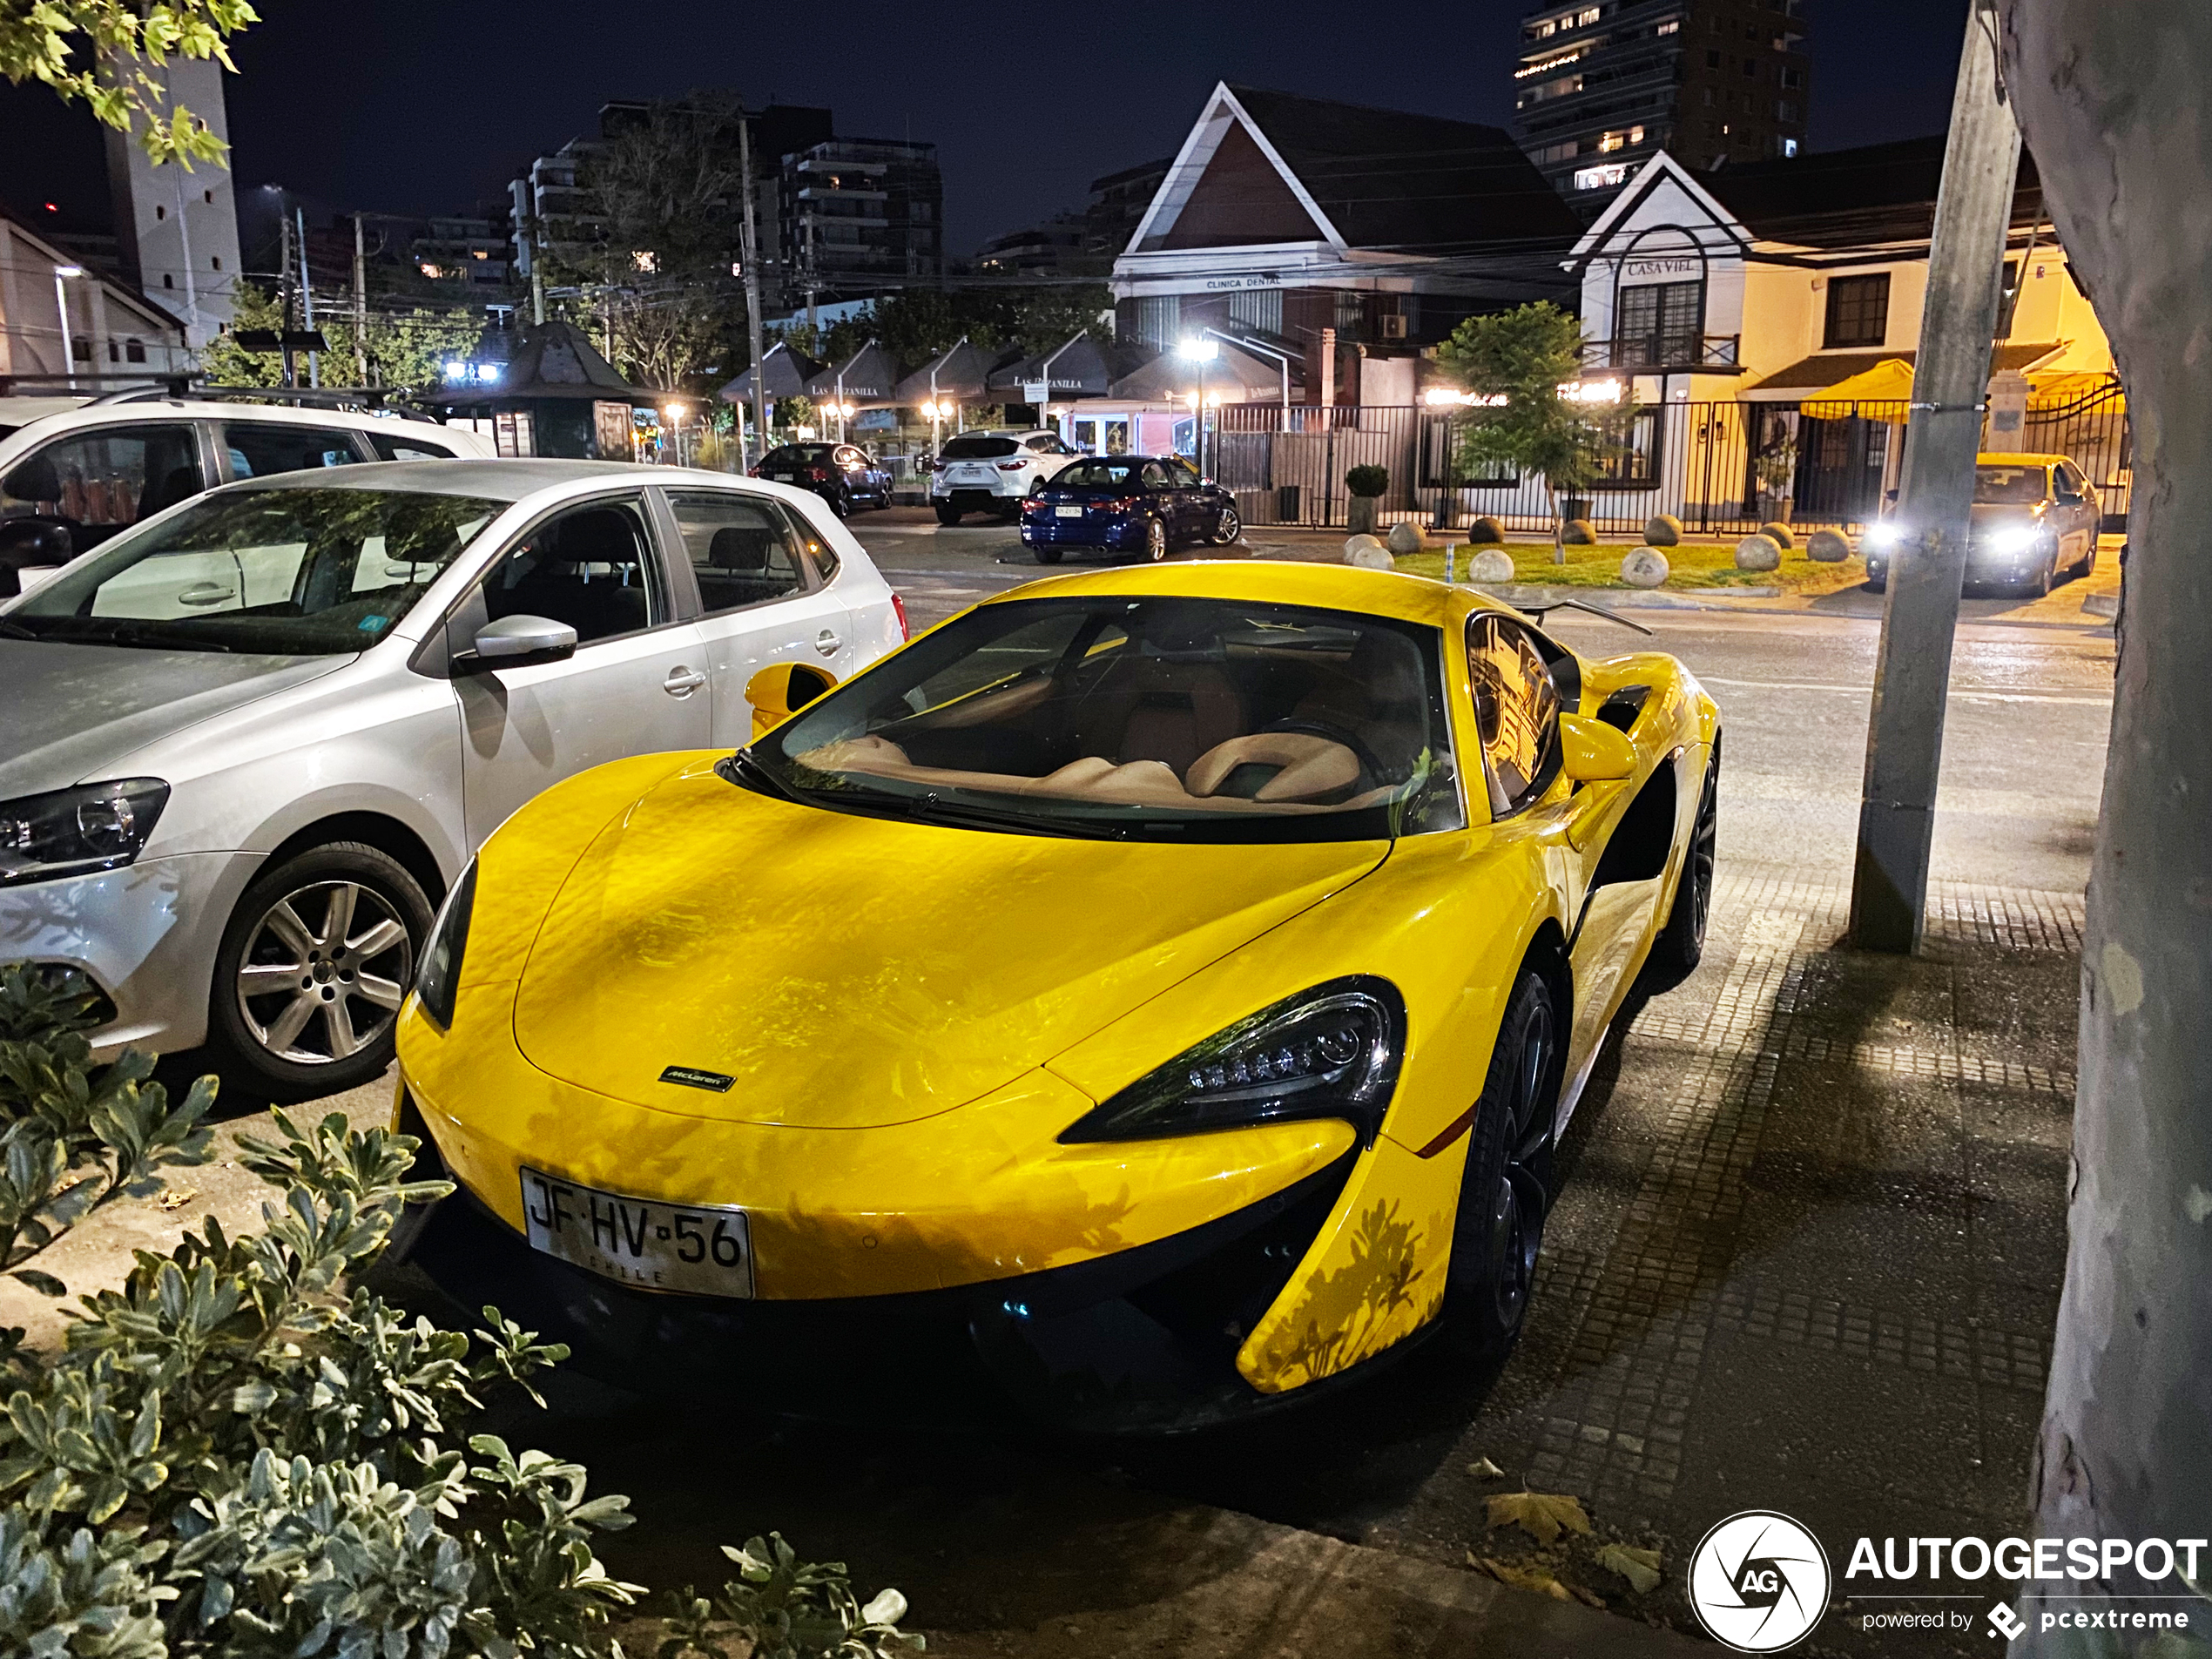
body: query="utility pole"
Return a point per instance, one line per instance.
(1935, 499)
(291, 364)
(361, 301)
(307, 298)
(749, 251)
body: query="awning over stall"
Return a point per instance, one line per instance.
(961, 375)
(1234, 376)
(785, 371)
(868, 380)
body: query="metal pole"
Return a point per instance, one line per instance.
(290, 363)
(307, 298)
(361, 300)
(750, 245)
(68, 346)
(1951, 378)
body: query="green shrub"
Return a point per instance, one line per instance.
(1368, 481)
(241, 1451)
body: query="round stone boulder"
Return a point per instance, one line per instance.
(1364, 552)
(1828, 547)
(1759, 552)
(1493, 564)
(1662, 530)
(1486, 531)
(1404, 537)
(1645, 568)
(1779, 533)
(1579, 532)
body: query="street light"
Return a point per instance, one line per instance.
(61, 310)
(1199, 350)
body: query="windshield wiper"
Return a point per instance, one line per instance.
(935, 809)
(17, 630)
(743, 769)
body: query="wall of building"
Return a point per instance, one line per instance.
(177, 228)
(111, 330)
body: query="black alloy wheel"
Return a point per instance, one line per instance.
(1227, 527)
(319, 954)
(1155, 540)
(2040, 586)
(1499, 1225)
(840, 501)
(1680, 945)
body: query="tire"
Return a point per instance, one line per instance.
(331, 1029)
(1155, 540)
(1499, 1224)
(1046, 555)
(1680, 945)
(1876, 584)
(841, 502)
(1227, 527)
(2040, 587)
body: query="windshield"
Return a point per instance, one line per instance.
(978, 448)
(2008, 486)
(792, 455)
(1201, 719)
(279, 571)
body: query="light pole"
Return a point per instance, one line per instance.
(61, 310)
(673, 413)
(1199, 350)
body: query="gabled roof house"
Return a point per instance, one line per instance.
(1309, 225)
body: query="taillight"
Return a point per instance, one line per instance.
(1120, 504)
(752, 471)
(1012, 466)
(936, 466)
(898, 610)
(1034, 503)
(820, 475)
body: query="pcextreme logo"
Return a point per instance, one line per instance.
(1758, 1582)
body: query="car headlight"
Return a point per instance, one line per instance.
(1880, 537)
(72, 832)
(2020, 539)
(439, 977)
(1331, 1051)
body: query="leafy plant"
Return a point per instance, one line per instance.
(406, 348)
(1368, 481)
(242, 1451)
(99, 52)
(1522, 363)
(782, 1607)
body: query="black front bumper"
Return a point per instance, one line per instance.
(1142, 1341)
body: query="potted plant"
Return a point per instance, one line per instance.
(1367, 486)
(1775, 467)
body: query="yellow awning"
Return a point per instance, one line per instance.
(1888, 382)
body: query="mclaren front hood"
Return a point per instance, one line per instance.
(719, 954)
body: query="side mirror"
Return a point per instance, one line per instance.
(1594, 752)
(780, 689)
(516, 642)
(29, 545)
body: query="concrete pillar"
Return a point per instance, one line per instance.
(2110, 97)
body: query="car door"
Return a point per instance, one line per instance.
(96, 481)
(637, 685)
(2078, 522)
(259, 448)
(1517, 705)
(763, 580)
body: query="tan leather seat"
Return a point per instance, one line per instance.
(1155, 709)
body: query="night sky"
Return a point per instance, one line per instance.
(413, 106)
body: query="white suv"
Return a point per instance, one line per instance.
(71, 477)
(989, 472)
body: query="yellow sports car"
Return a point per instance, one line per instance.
(1171, 982)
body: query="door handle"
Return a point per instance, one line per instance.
(682, 681)
(826, 642)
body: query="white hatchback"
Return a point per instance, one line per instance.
(252, 742)
(991, 472)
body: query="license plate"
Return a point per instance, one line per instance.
(1069, 512)
(699, 1250)
(781, 478)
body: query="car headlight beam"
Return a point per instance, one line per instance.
(1331, 1051)
(438, 978)
(77, 831)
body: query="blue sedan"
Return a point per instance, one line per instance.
(1141, 504)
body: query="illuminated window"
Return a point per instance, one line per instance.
(1668, 27)
(1635, 135)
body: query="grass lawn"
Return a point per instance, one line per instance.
(1692, 565)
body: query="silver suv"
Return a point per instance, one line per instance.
(991, 472)
(251, 743)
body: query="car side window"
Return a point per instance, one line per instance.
(1516, 711)
(256, 451)
(743, 551)
(391, 448)
(1038, 446)
(1186, 475)
(1154, 476)
(101, 481)
(590, 567)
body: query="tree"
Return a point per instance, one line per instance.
(101, 52)
(1523, 361)
(2107, 98)
(406, 350)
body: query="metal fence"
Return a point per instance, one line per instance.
(1721, 468)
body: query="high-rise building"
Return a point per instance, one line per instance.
(1603, 84)
(855, 212)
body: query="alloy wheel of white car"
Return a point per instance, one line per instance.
(323, 973)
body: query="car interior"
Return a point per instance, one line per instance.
(1200, 705)
(586, 569)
